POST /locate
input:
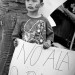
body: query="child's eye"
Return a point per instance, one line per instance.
(34, 0)
(27, 0)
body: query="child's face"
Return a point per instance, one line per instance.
(32, 5)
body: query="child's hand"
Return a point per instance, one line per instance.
(33, 41)
(47, 44)
(15, 42)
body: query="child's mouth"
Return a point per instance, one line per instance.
(30, 7)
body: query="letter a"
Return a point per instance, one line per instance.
(51, 56)
(65, 60)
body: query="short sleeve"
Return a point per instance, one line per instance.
(49, 32)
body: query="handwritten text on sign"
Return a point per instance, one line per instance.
(32, 59)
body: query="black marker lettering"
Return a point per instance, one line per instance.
(32, 64)
(22, 49)
(58, 61)
(67, 62)
(53, 52)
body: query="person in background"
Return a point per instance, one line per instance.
(71, 15)
(6, 46)
(33, 27)
(64, 29)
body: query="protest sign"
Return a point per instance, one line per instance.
(32, 59)
(49, 6)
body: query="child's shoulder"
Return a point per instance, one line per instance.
(44, 18)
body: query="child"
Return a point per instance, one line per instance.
(33, 27)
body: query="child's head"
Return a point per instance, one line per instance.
(33, 5)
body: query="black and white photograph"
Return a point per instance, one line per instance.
(37, 37)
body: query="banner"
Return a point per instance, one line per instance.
(32, 59)
(49, 6)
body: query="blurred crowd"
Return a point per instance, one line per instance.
(64, 17)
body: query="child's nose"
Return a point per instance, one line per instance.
(30, 2)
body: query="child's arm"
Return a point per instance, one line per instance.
(49, 33)
(47, 44)
(49, 36)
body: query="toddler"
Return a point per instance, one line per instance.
(33, 27)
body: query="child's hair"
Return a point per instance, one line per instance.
(41, 0)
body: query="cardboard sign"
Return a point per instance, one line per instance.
(49, 6)
(32, 59)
